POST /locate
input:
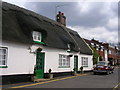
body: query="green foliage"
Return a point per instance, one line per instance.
(95, 56)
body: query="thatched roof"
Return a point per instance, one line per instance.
(18, 24)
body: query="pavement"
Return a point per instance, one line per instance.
(86, 80)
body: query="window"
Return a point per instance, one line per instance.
(101, 63)
(110, 52)
(84, 61)
(37, 36)
(69, 48)
(92, 44)
(3, 56)
(102, 48)
(97, 45)
(64, 61)
(97, 48)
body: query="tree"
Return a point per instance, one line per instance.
(95, 56)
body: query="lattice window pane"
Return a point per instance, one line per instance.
(3, 56)
(64, 60)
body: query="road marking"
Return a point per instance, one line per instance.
(14, 84)
(18, 84)
(116, 86)
(46, 82)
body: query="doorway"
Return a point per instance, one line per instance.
(40, 64)
(76, 63)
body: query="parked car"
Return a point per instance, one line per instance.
(103, 67)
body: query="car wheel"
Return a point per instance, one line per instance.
(112, 71)
(94, 73)
(108, 72)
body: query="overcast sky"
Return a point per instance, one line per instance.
(98, 20)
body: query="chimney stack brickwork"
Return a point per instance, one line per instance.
(61, 18)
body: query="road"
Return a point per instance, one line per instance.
(81, 81)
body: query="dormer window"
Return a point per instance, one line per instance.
(102, 48)
(92, 44)
(37, 36)
(69, 48)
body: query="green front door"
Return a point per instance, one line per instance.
(40, 64)
(76, 63)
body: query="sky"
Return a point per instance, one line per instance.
(91, 19)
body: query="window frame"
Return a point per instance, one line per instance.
(37, 34)
(110, 52)
(6, 57)
(64, 61)
(84, 61)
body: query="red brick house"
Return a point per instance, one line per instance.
(100, 48)
(105, 51)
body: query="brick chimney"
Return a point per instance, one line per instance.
(61, 18)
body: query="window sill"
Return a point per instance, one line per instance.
(39, 42)
(85, 66)
(64, 67)
(3, 66)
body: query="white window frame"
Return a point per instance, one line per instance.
(37, 35)
(110, 52)
(97, 45)
(68, 46)
(5, 55)
(102, 48)
(92, 44)
(97, 48)
(64, 60)
(84, 61)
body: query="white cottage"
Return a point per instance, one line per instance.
(32, 43)
(85, 52)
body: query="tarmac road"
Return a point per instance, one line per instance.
(81, 81)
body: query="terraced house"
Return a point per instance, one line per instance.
(32, 43)
(105, 51)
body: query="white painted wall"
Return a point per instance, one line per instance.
(90, 62)
(21, 61)
(106, 55)
(52, 59)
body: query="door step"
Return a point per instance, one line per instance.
(35, 79)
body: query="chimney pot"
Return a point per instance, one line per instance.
(59, 12)
(61, 18)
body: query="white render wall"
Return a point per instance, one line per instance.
(52, 59)
(21, 61)
(106, 55)
(90, 62)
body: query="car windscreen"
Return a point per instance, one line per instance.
(101, 63)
